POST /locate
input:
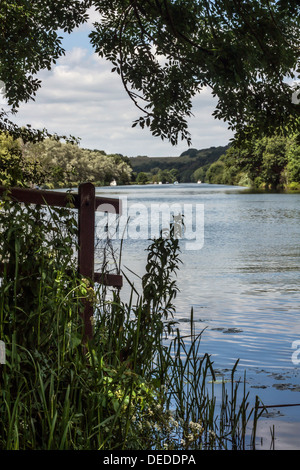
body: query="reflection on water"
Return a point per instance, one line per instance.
(243, 284)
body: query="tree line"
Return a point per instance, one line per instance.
(169, 169)
(271, 163)
(53, 163)
(265, 163)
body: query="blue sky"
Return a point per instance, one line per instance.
(81, 97)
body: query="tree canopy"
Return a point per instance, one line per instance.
(52, 163)
(29, 42)
(66, 163)
(265, 163)
(166, 51)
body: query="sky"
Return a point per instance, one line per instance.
(81, 97)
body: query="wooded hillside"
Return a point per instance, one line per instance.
(185, 164)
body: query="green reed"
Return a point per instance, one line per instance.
(139, 384)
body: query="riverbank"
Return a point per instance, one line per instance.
(293, 189)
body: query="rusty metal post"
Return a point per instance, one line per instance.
(86, 238)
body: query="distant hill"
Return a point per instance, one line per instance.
(186, 163)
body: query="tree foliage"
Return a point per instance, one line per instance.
(67, 163)
(269, 162)
(15, 169)
(183, 166)
(52, 163)
(29, 41)
(167, 51)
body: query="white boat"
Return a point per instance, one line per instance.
(199, 182)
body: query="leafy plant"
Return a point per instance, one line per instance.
(133, 386)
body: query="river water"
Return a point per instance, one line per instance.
(240, 273)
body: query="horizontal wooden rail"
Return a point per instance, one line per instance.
(58, 199)
(115, 280)
(106, 279)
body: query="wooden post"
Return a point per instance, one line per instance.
(86, 238)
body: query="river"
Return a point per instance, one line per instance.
(240, 272)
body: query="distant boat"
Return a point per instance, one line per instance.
(113, 183)
(175, 182)
(199, 181)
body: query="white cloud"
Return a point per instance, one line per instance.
(94, 17)
(81, 97)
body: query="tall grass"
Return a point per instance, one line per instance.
(137, 385)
